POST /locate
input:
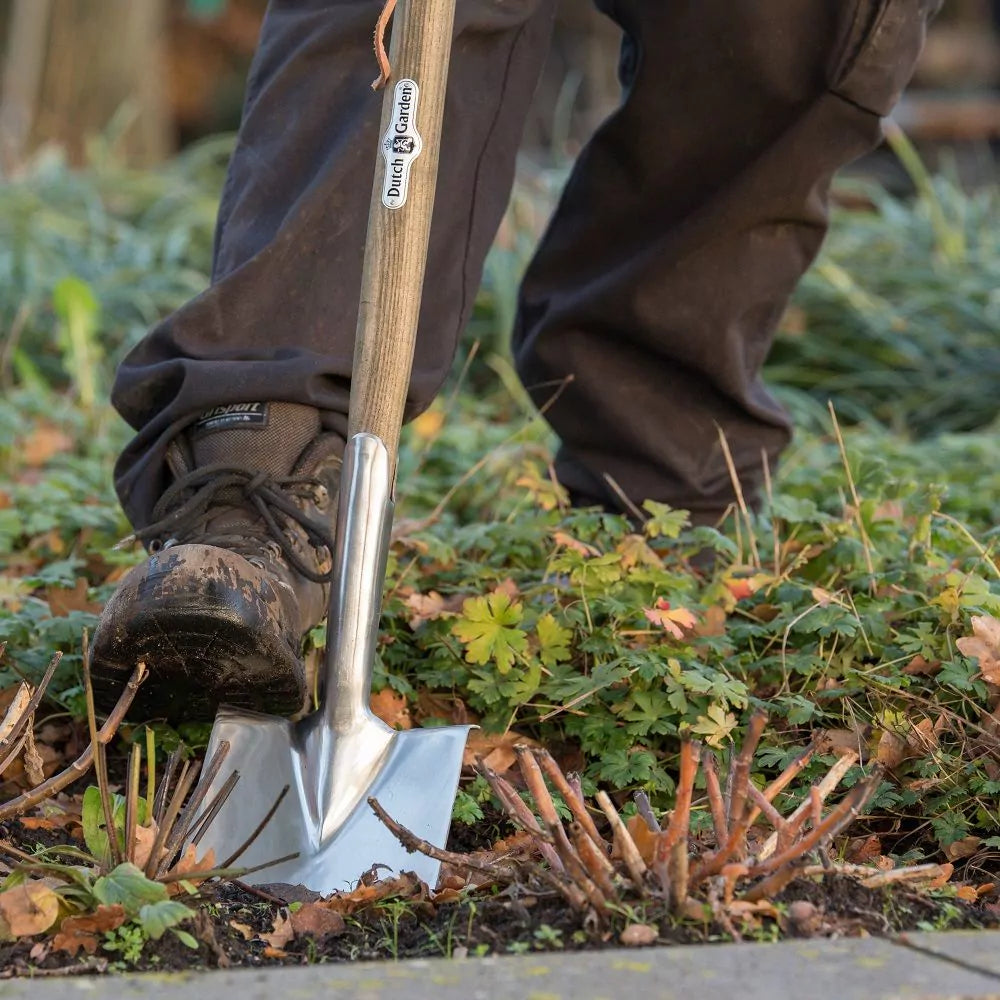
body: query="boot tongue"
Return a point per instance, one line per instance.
(265, 437)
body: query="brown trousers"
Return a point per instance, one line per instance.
(683, 229)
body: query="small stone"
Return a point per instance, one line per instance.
(639, 935)
(805, 917)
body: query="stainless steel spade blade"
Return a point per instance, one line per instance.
(333, 760)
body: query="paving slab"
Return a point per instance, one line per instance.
(955, 966)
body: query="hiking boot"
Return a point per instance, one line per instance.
(240, 561)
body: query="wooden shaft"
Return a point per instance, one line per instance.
(396, 250)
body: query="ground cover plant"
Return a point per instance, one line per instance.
(858, 609)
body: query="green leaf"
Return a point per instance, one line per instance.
(664, 521)
(129, 887)
(486, 628)
(715, 726)
(156, 918)
(186, 939)
(95, 834)
(553, 641)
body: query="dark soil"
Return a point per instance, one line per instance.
(514, 921)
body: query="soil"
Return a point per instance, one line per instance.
(513, 921)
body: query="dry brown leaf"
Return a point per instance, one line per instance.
(63, 600)
(496, 749)
(317, 921)
(392, 708)
(451, 708)
(281, 933)
(431, 606)
(247, 932)
(42, 443)
(82, 931)
(645, 839)
(963, 848)
(984, 645)
(841, 741)
(639, 935)
(713, 622)
(145, 840)
(34, 765)
(190, 866)
(919, 667)
(569, 542)
(272, 952)
(29, 908)
(967, 893)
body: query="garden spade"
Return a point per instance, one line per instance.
(333, 760)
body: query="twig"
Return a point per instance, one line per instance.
(547, 810)
(680, 819)
(866, 543)
(630, 853)
(100, 762)
(596, 865)
(184, 783)
(825, 786)
(160, 803)
(418, 845)
(575, 802)
(186, 818)
(843, 813)
(228, 863)
(717, 807)
(787, 776)
(741, 768)
(641, 800)
(132, 800)
(82, 764)
(208, 816)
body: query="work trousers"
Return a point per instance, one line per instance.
(655, 292)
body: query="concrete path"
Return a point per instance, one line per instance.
(963, 964)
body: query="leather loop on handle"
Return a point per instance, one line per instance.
(396, 250)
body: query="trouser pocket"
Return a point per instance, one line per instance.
(878, 52)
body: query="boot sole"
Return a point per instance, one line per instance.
(202, 647)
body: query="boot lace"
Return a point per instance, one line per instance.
(187, 507)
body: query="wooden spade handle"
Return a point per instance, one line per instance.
(396, 249)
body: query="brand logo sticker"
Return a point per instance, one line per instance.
(223, 418)
(401, 144)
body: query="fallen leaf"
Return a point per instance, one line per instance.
(40, 951)
(431, 606)
(272, 952)
(566, 541)
(82, 931)
(919, 667)
(449, 707)
(984, 645)
(967, 893)
(29, 908)
(963, 848)
(281, 933)
(317, 921)
(712, 624)
(145, 840)
(247, 932)
(41, 444)
(644, 838)
(191, 867)
(63, 600)
(392, 708)
(673, 620)
(496, 749)
(639, 935)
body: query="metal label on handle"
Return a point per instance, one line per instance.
(401, 144)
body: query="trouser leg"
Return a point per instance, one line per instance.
(685, 226)
(278, 321)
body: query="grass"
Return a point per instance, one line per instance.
(836, 609)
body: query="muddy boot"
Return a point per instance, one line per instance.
(240, 560)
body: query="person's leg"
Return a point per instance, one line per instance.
(278, 321)
(240, 398)
(685, 226)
